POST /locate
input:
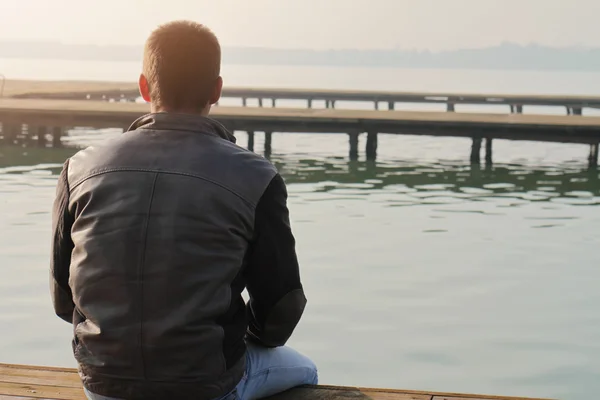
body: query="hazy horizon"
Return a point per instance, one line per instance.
(313, 24)
(506, 56)
(439, 51)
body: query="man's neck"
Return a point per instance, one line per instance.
(201, 113)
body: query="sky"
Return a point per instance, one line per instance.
(312, 24)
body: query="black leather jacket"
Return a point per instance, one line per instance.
(156, 235)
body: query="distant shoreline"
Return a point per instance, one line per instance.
(503, 57)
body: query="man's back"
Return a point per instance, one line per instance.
(163, 218)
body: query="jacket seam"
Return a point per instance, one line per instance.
(141, 272)
(109, 170)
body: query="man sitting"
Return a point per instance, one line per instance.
(156, 235)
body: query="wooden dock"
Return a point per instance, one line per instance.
(36, 118)
(22, 382)
(127, 91)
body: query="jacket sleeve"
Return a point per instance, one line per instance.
(272, 274)
(62, 246)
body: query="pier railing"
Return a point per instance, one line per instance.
(574, 105)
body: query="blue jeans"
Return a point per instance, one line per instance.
(268, 372)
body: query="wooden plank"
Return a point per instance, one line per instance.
(377, 395)
(337, 392)
(451, 396)
(465, 398)
(459, 398)
(456, 396)
(333, 393)
(41, 391)
(38, 368)
(35, 382)
(39, 377)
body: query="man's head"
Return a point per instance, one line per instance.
(181, 68)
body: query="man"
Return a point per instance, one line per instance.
(156, 235)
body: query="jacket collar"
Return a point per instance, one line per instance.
(182, 122)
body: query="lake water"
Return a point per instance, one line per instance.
(422, 272)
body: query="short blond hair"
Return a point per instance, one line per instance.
(182, 62)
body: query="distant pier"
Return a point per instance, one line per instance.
(314, 98)
(43, 111)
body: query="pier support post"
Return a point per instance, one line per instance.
(476, 151)
(512, 109)
(577, 111)
(274, 102)
(251, 140)
(20, 131)
(326, 103)
(310, 103)
(488, 151)
(519, 108)
(244, 101)
(353, 145)
(450, 107)
(391, 106)
(268, 143)
(260, 102)
(10, 133)
(593, 159)
(57, 132)
(332, 103)
(371, 146)
(377, 105)
(41, 136)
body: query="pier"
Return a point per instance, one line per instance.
(26, 111)
(314, 98)
(45, 121)
(22, 382)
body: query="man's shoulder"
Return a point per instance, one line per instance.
(247, 171)
(114, 152)
(249, 158)
(75, 163)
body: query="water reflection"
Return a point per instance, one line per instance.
(442, 262)
(444, 182)
(404, 183)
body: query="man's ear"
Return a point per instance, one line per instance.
(144, 88)
(217, 91)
